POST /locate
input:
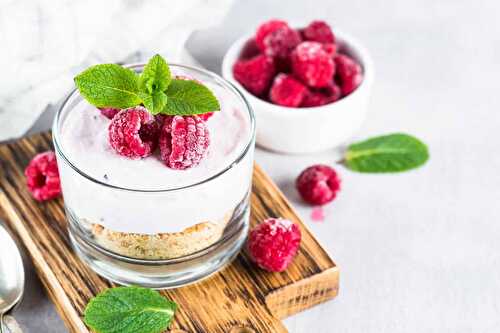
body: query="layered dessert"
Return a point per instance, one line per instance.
(153, 182)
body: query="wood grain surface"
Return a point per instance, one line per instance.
(240, 298)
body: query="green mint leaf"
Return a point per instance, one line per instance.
(109, 85)
(154, 102)
(156, 75)
(388, 153)
(129, 310)
(188, 97)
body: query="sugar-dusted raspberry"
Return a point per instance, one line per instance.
(249, 50)
(322, 96)
(184, 141)
(332, 91)
(255, 74)
(109, 112)
(312, 65)
(281, 42)
(331, 49)
(319, 31)
(348, 74)
(287, 91)
(206, 116)
(133, 133)
(318, 184)
(274, 243)
(265, 29)
(42, 177)
(314, 98)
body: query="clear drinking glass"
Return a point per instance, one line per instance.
(162, 259)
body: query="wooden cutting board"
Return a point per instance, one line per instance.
(241, 298)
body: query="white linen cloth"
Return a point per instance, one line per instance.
(45, 43)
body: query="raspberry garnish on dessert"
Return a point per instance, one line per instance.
(319, 31)
(312, 64)
(109, 112)
(318, 184)
(133, 133)
(42, 177)
(171, 106)
(274, 243)
(183, 141)
(287, 91)
(255, 74)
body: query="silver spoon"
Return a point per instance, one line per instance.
(11, 275)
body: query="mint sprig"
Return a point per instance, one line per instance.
(388, 153)
(129, 310)
(156, 75)
(112, 85)
(187, 97)
(109, 85)
(154, 102)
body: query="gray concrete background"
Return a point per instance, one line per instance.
(420, 251)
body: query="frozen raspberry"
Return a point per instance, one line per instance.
(206, 116)
(255, 74)
(42, 177)
(319, 31)
(281, 42)
(322, 96)
(109, 112)
(249, 50)
(274, 243)
(349, 73)
(331, 49)
(133, 133)
(184, 141)
(312, 65)
(265, 29)
(318, 184)
(332, 91)
(287, 91)
(314, 98)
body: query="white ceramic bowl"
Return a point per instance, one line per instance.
(306, 130)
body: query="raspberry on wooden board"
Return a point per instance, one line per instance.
(42, 176)
(274, 243)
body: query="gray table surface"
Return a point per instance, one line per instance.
(420, 251)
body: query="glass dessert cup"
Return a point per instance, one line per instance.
(211, 214)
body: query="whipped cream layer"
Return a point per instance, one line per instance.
(83, 139)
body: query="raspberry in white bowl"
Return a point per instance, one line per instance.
(142, 207)
(309, 94)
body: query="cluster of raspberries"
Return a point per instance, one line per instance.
(135, 133)
(296, 68)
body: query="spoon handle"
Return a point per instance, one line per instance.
(2, 330)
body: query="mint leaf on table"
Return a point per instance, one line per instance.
(109, 85)
(388, 153)
(156, 75)
(129, 310)
(154, 102)
(188, 97)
